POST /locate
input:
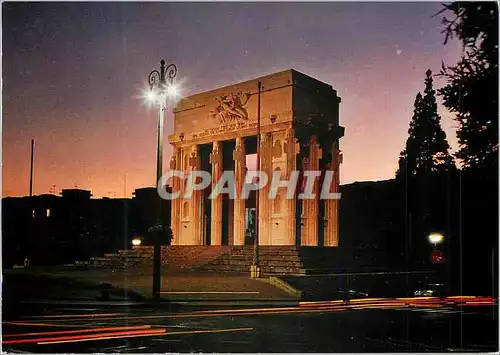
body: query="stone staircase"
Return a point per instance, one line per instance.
(186, 257)
(274, 260)
(295, 260)
(175, 257)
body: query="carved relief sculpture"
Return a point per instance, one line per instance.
(277, 149)
(231, 107)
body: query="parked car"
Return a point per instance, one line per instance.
(430, 290)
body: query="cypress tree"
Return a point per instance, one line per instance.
(426, 147)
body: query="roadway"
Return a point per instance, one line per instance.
(363, 325)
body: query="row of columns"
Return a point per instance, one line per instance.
(290, 148)
(310, 207)
(265, 205)
(239, 157)
(175, 203)
(216, 220)
(310, 218)
(187, 215)
(331, 211)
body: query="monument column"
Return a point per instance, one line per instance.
(331, 206)
(196, 200)
(239, 158)
(290, 147)
(216, 220)
(310, 207)
(175, 203)
(264, 202)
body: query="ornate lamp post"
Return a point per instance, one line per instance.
(161, 87)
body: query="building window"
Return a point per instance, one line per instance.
(48, 212)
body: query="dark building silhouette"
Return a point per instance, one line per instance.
(146, 205)
(51, 229)
(76, 194)
(28, 224)
(110, 218)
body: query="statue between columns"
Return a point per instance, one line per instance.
(215, 156)
(194, 160)
(239, 155)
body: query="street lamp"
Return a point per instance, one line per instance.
(160, 88)
(436, 238)
(136, 242)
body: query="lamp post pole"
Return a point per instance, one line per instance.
(158, 85)
(31, 166)
(255, 270)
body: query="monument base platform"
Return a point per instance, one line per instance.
(273, 260)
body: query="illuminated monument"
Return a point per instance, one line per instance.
(216, 130)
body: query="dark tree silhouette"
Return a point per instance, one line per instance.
(472, 90)
(472, 95)
(426, 147)
(424, 170)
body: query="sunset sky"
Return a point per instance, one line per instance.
(73, 75)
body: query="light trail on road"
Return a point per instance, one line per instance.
(148, 335)
(39, 324)
(209, 292)
(76, 331)
(252, 323)
(305, 307)
(91, 315)
(85, 336)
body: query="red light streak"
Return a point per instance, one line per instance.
(43, 324)
(145, 335)
(85, 336)
(79, 315)
(76, 331)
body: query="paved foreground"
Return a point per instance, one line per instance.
(35, 321)
(307, 328)
(136, 284)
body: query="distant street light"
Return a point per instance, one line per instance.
(161, 88)
(136, 242)
(436, 238)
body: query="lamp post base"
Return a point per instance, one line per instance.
(156, 231)
(254, 271)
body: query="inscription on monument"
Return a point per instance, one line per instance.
(225, 128)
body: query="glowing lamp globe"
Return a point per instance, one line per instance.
(136, 242)
(436, 238)
(172, 91)
(151, 96)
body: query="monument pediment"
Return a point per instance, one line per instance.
(218, 112)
